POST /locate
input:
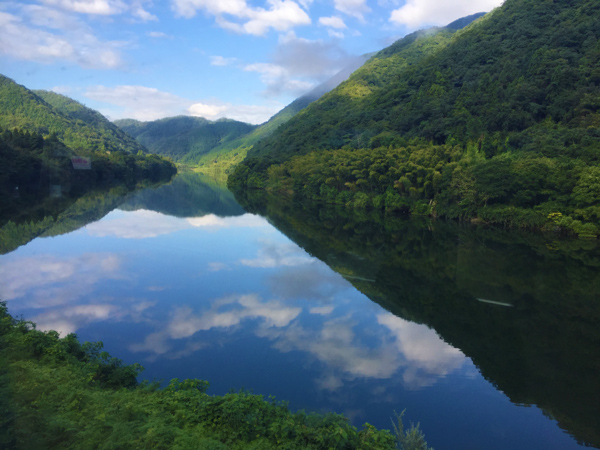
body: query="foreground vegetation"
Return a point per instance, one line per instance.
(496, 122)
(56, 393)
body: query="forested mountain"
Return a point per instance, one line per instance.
(497, 121)
(48, 113)
(223, 143)
(184, 138)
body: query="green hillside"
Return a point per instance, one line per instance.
(497, 121)
(46, 113)
(184, 138)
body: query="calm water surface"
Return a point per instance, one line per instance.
(186, 282)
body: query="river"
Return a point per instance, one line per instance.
(490, 339)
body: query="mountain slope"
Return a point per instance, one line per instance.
(184, 138)
(75, 125)
(223, 143)
(498, 121)
(232, 153)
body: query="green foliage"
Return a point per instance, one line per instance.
(507, 107)
(59, 394)
(411, 439)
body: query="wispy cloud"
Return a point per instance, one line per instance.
(146, 104)
(272, 254)
(353, 8)
(47, 280)
(221, 61)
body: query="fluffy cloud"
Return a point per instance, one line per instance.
(21, 37)
(417, 13)
(332, 22)
(428, 356)
(299, 64)
(238, 16)
(146, 104)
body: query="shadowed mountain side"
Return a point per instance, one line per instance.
(184, 138)
(523, 308)
(188, 195)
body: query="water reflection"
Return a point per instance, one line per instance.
(395, 324)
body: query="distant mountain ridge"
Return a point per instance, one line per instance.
(184, 138)
(223, 143)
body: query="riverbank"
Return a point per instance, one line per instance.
(57, 393)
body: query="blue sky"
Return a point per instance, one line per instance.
(241, 59)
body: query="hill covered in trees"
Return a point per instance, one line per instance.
(497, 121)
(46, 113)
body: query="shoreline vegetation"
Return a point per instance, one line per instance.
(56, 393)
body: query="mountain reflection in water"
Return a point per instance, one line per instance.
(182, 279)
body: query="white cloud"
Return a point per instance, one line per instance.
(101, 7)
(26, 41)
(428, 355)
(207, 111)
(47, 280)
(354, 8)
(273, 254)
(221, 61)
(418, 13)
(333, 22)
(299, 64)
(224, 313)
(280, 15)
